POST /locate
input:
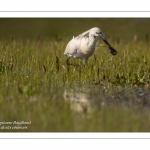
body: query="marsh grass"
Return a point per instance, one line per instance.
(34, 76)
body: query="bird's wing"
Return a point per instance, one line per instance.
(72, 47)
(84, 34)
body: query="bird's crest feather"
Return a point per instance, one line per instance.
(84, 34)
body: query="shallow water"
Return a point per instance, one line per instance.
(87, 99)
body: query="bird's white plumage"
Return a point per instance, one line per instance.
(83, 45)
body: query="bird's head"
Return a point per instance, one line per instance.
(96, 32)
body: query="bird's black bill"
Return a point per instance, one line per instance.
(107, 42)
(111, 49)
(103, 38)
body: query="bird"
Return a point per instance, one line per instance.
(83, 45)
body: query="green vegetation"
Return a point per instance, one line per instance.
(108, 94)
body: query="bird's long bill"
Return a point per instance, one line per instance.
(112, 50)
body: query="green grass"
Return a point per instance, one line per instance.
(108, 94)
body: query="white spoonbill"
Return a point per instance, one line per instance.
(83, 45)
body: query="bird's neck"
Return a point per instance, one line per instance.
(92, 41)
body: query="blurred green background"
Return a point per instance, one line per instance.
(37, 87)
(115, 28)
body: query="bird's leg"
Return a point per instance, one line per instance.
(67, 62)
(75, 65)
(94, 58)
